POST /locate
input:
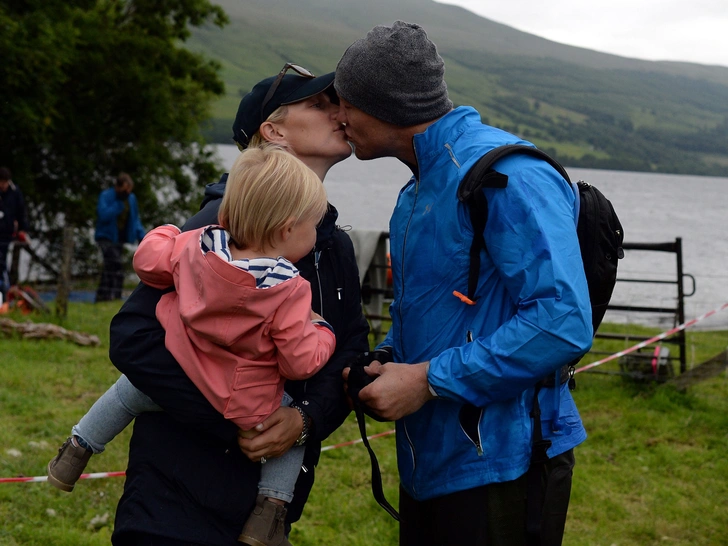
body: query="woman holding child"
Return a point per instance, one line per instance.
(191, 480)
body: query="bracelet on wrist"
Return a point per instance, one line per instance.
(306, 430)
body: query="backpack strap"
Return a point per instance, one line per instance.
(470, 191)
(539, 457)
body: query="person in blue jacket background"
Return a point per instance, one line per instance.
(459, 379)
(117, 223)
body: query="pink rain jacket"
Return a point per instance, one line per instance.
(236, 342)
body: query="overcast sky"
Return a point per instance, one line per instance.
(655, 30)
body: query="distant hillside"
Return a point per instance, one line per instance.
(590, 109)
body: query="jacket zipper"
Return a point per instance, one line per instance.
(452, 155)
(401, 322)
(414, 455)
(316, 258)
(478, 443)
(404, 245)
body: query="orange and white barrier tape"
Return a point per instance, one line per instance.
(658, 337)
(83, 477)
(359, 441)
(94, 475)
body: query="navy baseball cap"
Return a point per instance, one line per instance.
(273, 92)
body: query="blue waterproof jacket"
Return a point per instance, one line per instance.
(532, 314)
(108, 209)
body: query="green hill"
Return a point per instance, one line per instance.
(590, 109)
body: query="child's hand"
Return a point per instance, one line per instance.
(316, 316)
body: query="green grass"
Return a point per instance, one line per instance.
(653, 470)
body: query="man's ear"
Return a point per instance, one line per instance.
(271, 133)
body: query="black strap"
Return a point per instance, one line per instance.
(377, 489)
(539, 457)
(481, 175)
(470, 191)
(478, 218)
(486, 162)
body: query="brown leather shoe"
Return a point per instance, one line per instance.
(266, 525)
(66, 468)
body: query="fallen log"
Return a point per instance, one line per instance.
(32, 330)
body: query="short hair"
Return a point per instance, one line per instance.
(123, 178)
(265, 188)
(276, 116)
(5, 174)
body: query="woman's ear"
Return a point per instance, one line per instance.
(271, 133)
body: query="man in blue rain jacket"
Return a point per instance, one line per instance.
(117, 223)
(462, 402)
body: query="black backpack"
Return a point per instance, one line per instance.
(598, 228)
(600, 240)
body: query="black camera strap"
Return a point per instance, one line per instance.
(377, 489)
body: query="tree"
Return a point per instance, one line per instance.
(94, 87)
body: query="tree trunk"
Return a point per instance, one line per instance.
(64, 278)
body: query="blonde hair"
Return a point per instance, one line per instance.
(266, 187)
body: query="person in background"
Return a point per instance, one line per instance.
(13, 224)
(191, 479)
(117, 223)
(459, 378)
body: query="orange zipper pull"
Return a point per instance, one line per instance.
(462, 297)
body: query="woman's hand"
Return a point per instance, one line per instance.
(273, 437)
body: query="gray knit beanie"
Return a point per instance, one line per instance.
(394, 74)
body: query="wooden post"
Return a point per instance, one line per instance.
(64, 278)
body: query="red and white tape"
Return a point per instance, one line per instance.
(658, 337)
(640, 345)
(83, 477)
(94, 475)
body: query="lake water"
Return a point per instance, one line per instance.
(653, 208)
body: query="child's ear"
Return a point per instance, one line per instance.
(287, 229)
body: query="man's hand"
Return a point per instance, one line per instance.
(273, 437)
(399, 390)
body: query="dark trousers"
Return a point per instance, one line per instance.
(112, 275)
(490, 515)
(4, 276)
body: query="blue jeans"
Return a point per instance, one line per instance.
(278, 475)
(111, 414)
(118, 407)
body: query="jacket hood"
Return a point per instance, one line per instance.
(214, 191)
(232, 306)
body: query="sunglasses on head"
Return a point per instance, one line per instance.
(288, 66)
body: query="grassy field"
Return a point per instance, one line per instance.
(653, 471)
